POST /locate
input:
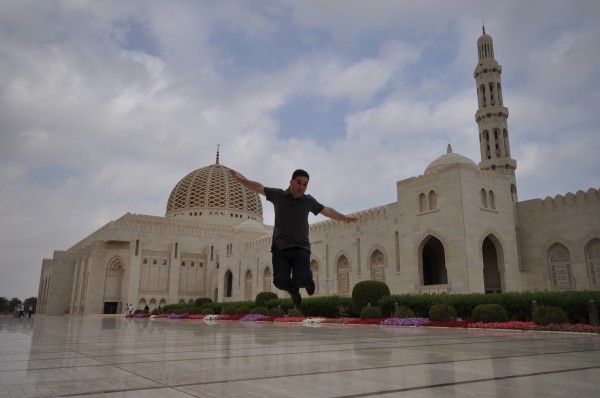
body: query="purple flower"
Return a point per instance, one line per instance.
(405, 321)
(253, 317)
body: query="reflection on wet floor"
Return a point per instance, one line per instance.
(108, 356)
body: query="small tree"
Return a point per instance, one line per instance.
(366, 292)
(31, 301)
(13, 303)
(3, 304)
(263, 297)
(442, 313)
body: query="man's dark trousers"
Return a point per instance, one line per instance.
(291, 269)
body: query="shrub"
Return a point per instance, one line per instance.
(489, 313)
(327, 307)
(201, 301)
(370, 312)
(243, 310)
(343, 311)
(546, 314)
(404, 312)
(366, 292)
(229, 310)
(260, 310)
(263, 297)
(293, 312)
(207, 311)
(276, 312)
(442, 313)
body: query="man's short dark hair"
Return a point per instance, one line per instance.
(300, 173)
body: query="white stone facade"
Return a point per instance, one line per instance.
(458, 228)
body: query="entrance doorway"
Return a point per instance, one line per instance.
(433, 262)
(492, 258)
(111, 307)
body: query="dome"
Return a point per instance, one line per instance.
(449, 159)
(211, 192)
(251, 226)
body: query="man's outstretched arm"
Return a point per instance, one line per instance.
(251, 185)
(335, 215)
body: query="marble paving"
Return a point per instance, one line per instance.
(114, 357)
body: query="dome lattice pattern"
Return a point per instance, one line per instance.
(212, 187)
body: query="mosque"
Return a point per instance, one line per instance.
(457, 228)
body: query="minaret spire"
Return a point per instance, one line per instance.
(491, 115)
(218, 145)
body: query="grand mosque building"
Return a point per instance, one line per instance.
(457, 228)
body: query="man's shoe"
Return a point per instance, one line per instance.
(310, 288)
(296, 299)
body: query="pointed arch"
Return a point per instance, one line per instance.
(493, 264)
(559, 263)
(592, 259)
(314, 268)
(248, 285)
(113, 284)
(267, 279)
(432, 262)
(228, 283)
(377, 263)
(343, 275)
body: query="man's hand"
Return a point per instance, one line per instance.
(335, 215)
(252, 185)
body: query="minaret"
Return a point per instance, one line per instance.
(491, 114)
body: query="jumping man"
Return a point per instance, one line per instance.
(291, 246)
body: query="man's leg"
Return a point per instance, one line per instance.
(301, 274)
(282, 270)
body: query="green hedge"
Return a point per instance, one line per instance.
(516, 304)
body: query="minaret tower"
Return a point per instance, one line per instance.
(491, 114)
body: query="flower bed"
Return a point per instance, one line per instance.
(515, 325)
(388, 322)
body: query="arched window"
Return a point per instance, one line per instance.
(484, 202)
(592, 257)
(560, 267)
(513, 193)
(422, 202)
(492, 198)
(343, 276)
(432, 200)
(267, 279)
(314, 267)
(248, 286)
(377, 266)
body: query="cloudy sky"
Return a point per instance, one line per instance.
(106, 105)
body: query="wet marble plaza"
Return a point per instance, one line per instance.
(107, 356)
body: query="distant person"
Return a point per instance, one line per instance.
(290, 247)
(21, 311)
(30, 310)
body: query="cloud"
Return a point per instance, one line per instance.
(106, 106)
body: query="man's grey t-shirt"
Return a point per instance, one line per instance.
(291, 218)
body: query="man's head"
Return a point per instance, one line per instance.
(301, 173)
(298, 183)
